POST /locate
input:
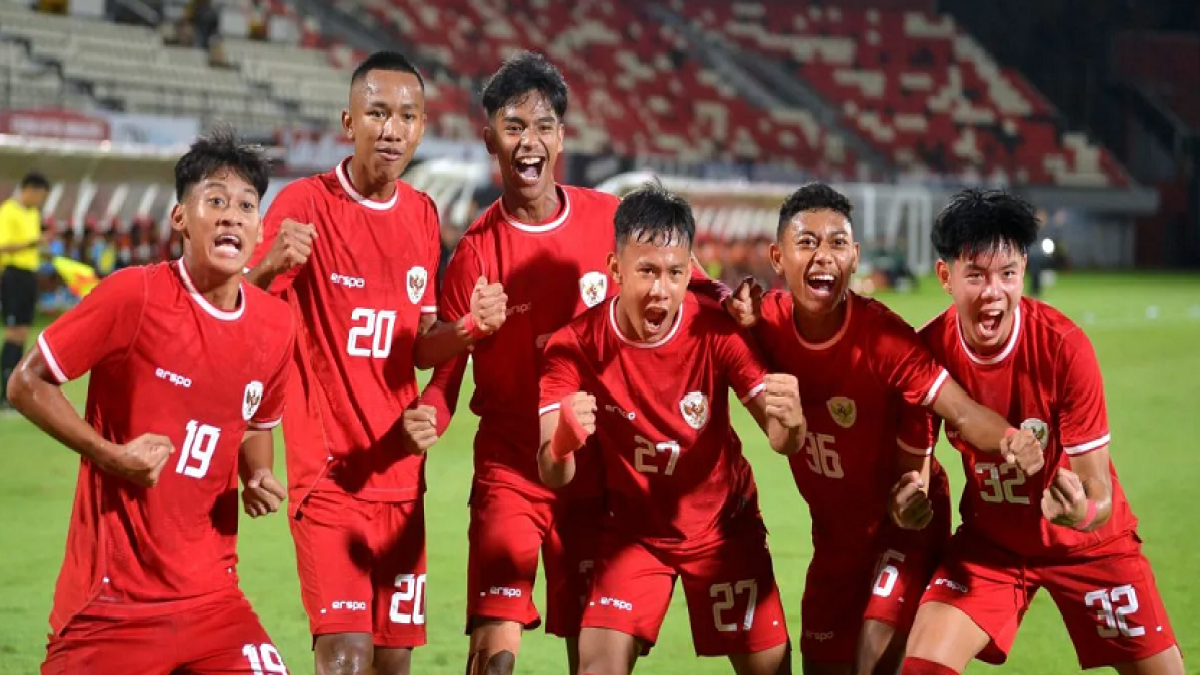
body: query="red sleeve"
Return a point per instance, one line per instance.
(270, 413)
(902, 361)
(914, 432)
(742, 363)
(293, 202)
(560, 372)
(429, 299)
(101, 327)
(443, 389)
(1083, 415)
(464, 268)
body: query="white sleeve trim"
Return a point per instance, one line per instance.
(754, 391)
(548, 408)
(936, 388)
(1089, 446)
(50, 360)
(914, 451)
(429, 309)
(262, 426)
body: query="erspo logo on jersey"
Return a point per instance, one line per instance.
(348, 282)
(177, 380)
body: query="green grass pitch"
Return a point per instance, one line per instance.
(1146, 329)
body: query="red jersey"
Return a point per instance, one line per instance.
(163, 360)
(1046, 379)
(673, 467)
(358, 301)
(862, 392)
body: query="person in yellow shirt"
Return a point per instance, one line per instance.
(20, 237)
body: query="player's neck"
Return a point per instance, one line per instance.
(375, 188)
(222, 292)
(819, 328)
(536, 211)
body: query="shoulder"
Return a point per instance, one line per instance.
(268, 309)
(587, 197)
(776, 306)
(488, 221)
(937, 325)
(878, 316)
(416, 202)
(1051, 330)
(137, 279)
(705, 320)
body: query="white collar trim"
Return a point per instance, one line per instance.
(207, 306)
(344, 178)
(1003, 354)
(544, 227)
(612, 320)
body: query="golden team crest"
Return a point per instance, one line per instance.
(1040, 429)
(417, 278)
(843, 411)
(593, 287)
(251, 399)
(694, 407)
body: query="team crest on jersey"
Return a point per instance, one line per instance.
(843, 411)
(694, 407)
(1040, 429)
(251, 399)
(593, 286)
(417, 278)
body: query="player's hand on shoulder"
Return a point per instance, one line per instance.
(782, 399)
(292, 245)
(420, 428)
(745, 303)
(262, 494)
(140, 460)
(489, 306)
(583, 406)
(909, 506)
(1024, 450)
(1064, 502)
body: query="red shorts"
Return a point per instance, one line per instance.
(842, 591)
(1108, 599)
(507, 530)
(218, 636)
(732, 599)
(362, 567)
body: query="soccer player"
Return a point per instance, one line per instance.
(649, 373)
(1068, 529)
(185, 360)
(20, 234)
(865, 377)
(354, 252)
(540, 252)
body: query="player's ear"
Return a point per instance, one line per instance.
(776, 255)
(347, 127)
(943, 274)
(854, 262)
(177, 220)
(489, 140)
(614, 267)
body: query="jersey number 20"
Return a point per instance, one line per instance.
(373, 337)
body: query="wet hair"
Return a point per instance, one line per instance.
(653, 214)
(521, 75)
(35, 180)
(812, 197)
(220, 151)
(386, 60)
(977, 221)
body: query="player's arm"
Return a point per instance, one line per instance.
(470, 309)
(909, 506)
(565, 427)
(776, 409)
(288, 239)
(262, 493)
(986, 430)
(1081, 497)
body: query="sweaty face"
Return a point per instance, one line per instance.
(654, 281)
(526, 137)
(386, 120)
(817, 256)
(219, 221)
(986, 289)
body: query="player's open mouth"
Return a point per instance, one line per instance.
(390, 154)
(821, 285)
(989, 322)
(228, 246)
(654, 318)
(530, 168)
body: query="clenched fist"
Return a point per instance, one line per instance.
(293, 244)
(1023, 450)
(583, 407)
(140, 460)
(1065, 502)
(420, 428)
(489, 306)
(745, 305)
(909, 506)
(782, 399)
(263, 494)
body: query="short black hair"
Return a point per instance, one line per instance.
(522, 74)
(217, 151)
(976, 221)
(655, 215)
(386, 60)
(33, 179)
(812, 197)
